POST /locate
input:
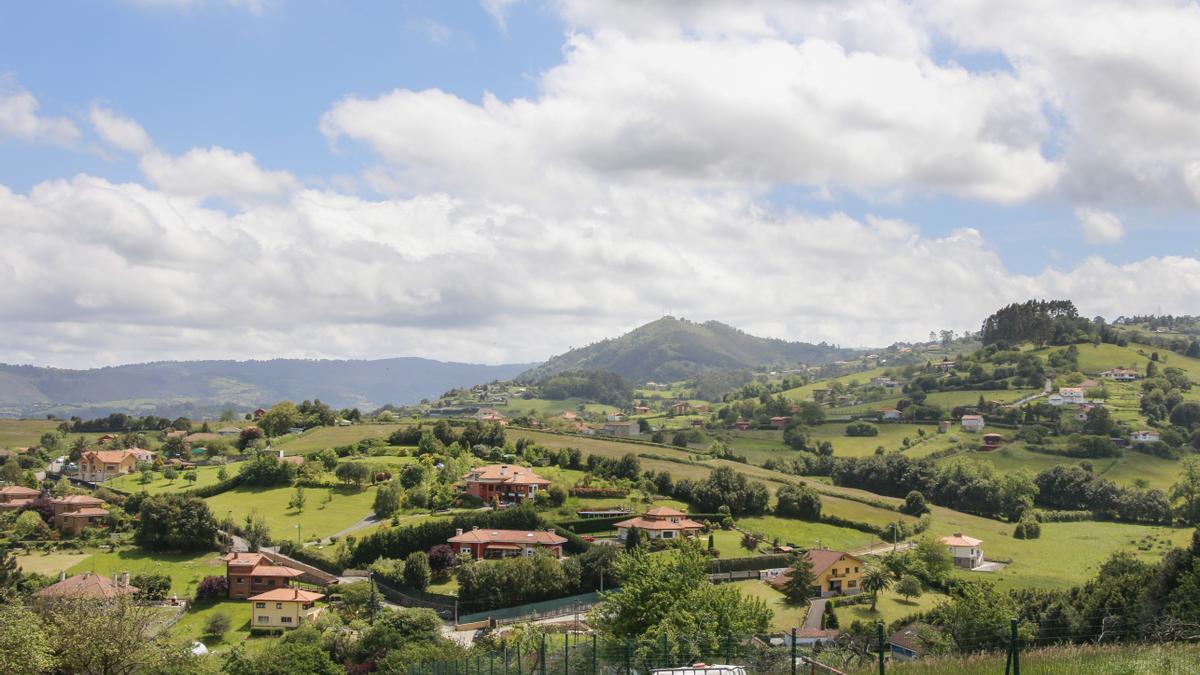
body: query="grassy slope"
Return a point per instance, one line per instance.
(319, 519)
(23, 433)
(805, 392)
(890, 607)
(318, 439)
(787, 615)
(206, 475)
(186, 570)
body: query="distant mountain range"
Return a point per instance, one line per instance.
(171, 388)
(671, 349)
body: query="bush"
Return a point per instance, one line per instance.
(151, 586)
(914, 504)
(417, 573)
(598, 492)
(212, 588)
(798, 502)
(177, 522)
(861, 429)
(217, 625)
(1028, 528)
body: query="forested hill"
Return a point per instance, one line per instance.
(671, 349)
(167, 386)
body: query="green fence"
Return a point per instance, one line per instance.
(536, 610)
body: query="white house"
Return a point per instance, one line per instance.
(1055, 399)
(1073, 395)
(1120, 374)
(966, 551)
(972, 423)
(1145, 436)
(889, 414)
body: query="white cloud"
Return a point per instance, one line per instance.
(120, 132)
(732, 112)
(1099, 227)
(19, 118)
(498, 9)
(215, 172)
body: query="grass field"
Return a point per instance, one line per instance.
(806, 534)
(23, 433)
(891, 437)
(319, 519)
(1127, 469)
(891, 607)
(50, 564)
(787, 615)
(186, 570)
(537, 407)
(191, 626)
(805, 392)
(206, 475)
(315, 440)
(1124, 659)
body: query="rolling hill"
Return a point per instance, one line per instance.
(180, 387)
(671, 349)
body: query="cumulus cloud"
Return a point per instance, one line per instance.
(498, 9)
(1099, 227)
(214, 172)
(120, 132)
(20, 119)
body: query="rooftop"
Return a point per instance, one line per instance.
(288, 595)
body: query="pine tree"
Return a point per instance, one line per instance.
(800, 579)
(633, 539)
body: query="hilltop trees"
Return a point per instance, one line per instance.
(1055, 322)
(798, 502)
(726, 487)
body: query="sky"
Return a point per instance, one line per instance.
(500, 181)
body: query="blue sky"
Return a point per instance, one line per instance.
(605, 160)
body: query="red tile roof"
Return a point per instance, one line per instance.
(109, 456)
(87, 585)
(665, 512)
(84, 513)
(504, 473)
(19, 491)
(652, 524)
(960, 540)
(287, 595)
(540, 537)
(85, 500)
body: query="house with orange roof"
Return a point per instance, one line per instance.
(13, 497)
(834, 573)
(508, 482)
(972, 423)
(284, 608)
(662, 522)
(88, 585)
(249, 574)
(75, 522)
(488, 544)
(96, 466)
(966, 551)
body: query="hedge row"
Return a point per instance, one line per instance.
(398, 542)
(598, 492)
(216, 488)
(758, 562)
(589, 525)
(1063, 516)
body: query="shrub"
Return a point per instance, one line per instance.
(798, 502)
(151, 586)
(212, 588)
(861, 429)
(914, 504)
(417, 573)
(217, 625)
(1028, 528)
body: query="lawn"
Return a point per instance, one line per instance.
(891, 437)
(805, 534)
(50, 564)
(23, 433)
(787, 615)
(805, 392)
(315, 440)
(191, 626)
(891, 607)
(319, 519)
(1127, 469)
(852, 510)
(205, 476)
(185, 569)
(538, 407)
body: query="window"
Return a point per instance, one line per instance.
(241, 580)
(260, 605)
(852, 584)
(264, 619)
(285, 619)
(279, 605)
(668, 534)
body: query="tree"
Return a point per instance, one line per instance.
(28, 524)
(357, 473)
(874, 580)
(298, 500)
(176, 522)
(191, 477)
(800, 580)
(726, 487)
(282, 417)
(222, 474)
(750, 541)
(1187, 490)
(114, 636)
(11, 472)
(1027, 528)
(977, 617)
(914, 504)
(24, 645)
(909, 587)
(151, 586)
(51, 442)
(798, 502)
(212, 588)
(417, 573)
(633, 539)
(387, 499)
(255, 530)
(299, 651)
(442, 560)
(665, 598)
(171, 474)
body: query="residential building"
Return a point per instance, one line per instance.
(1145, 436)
(508, 482)
(660, 523)
(1120, 374)
(834, 573)
(966, 551)
(641, 410)
(284, 608)
(889, 414)
(491, 415)
(623, 429)
(992, 441)
(87, 585)
(742, 425)
(142, 454)
(486, 544)
(249, 574)
(229, 431)
(779, 422)
(99, 465)
(75, 522)
(946, 366)
(883, 381)
(615, 417)
(972, 423)
(909, 643)
(17, 493)
(1072, 395)
(681, 408)
(808, 637)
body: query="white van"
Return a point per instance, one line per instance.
(701, 669)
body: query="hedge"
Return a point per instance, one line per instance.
(588, 525)
(598, 492)
(216, 488)
(1063, 516)
(757, 562)
(398, 542)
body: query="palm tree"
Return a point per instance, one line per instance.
(875, 579)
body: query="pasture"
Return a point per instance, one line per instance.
(328, 510)
(205, 476)
(315, 440)
(890, 607)
(185, 569)
(787, 615)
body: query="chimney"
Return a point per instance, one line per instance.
(958, 534)
(458, 532)
(474, 527)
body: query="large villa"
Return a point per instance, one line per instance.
(660, 523)
(505, 482)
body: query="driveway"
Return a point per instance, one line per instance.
(815, 610)
(989, 566)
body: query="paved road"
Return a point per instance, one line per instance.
(815, 610)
